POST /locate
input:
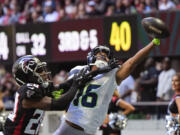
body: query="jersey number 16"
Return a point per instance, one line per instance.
(88, 98)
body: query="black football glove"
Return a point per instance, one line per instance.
(114, 63)
(79, 79)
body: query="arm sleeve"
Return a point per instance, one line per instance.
(65, 86)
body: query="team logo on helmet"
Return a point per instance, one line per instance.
(25, 64)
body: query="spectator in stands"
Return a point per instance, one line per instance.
(30, 11)
(177, 2)
(100, 6)
(7, 15)
(118, 7)
(164, 92)
(110, 11)
(126, 89)
(148, 81)
(136, 3)
(127, 7)
(50, 14)
(60, 77)
(91, 10)
(15, 12)
(141, 8)
(150, 6)
(81, 13)
(1, 15)
(8, 87)
(159, 67)
(36, 17)
(70, 9)
(166, 5)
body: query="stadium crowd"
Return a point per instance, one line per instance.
(36, 11)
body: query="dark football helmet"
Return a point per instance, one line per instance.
(29, 69)
(91, 57)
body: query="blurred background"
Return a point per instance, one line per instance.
(62, 32)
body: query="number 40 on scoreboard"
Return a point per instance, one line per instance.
(120, 36)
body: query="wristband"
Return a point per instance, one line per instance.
(156, 41)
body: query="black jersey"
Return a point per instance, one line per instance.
(23, 121)
(172, 107)
(113, 108)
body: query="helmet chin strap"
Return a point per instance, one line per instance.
(99, 63)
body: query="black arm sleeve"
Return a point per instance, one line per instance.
(65, 86)
(63, 102)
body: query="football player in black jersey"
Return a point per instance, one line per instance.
(34, 95)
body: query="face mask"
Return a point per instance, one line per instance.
(100, 63)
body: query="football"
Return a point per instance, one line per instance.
(155, 27)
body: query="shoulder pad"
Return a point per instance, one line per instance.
(33, 91)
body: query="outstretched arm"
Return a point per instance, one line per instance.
(48, 103)
(132, 62)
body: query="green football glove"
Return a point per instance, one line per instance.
(57, 94)
(156, 41)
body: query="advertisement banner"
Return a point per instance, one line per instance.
(71, 40)
(34, 40)
(120, 34)
(6, 44)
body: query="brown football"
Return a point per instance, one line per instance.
(155, 27)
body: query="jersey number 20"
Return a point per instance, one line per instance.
(88, 98)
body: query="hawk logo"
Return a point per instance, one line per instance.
(29, 93)
(25, 64)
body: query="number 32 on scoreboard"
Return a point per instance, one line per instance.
(121, 36)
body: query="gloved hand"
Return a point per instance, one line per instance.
(114, 63)
(79, 79)
(156, 41)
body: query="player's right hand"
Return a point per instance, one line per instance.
(33, 91)
(79, 78)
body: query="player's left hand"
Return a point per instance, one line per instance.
(156, 41)
(79, 78)
(114, 63)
